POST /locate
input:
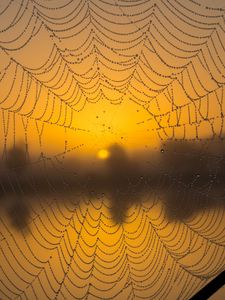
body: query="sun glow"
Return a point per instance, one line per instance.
(103, 154)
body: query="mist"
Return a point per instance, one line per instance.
(188, 177)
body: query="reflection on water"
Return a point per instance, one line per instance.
(82, 250)
(188, 177)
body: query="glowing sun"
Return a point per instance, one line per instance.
(103, 154)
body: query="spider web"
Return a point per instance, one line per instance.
(167, 57)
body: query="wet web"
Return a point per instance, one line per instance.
(168, 58)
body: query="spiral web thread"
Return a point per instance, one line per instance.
(167, 57)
